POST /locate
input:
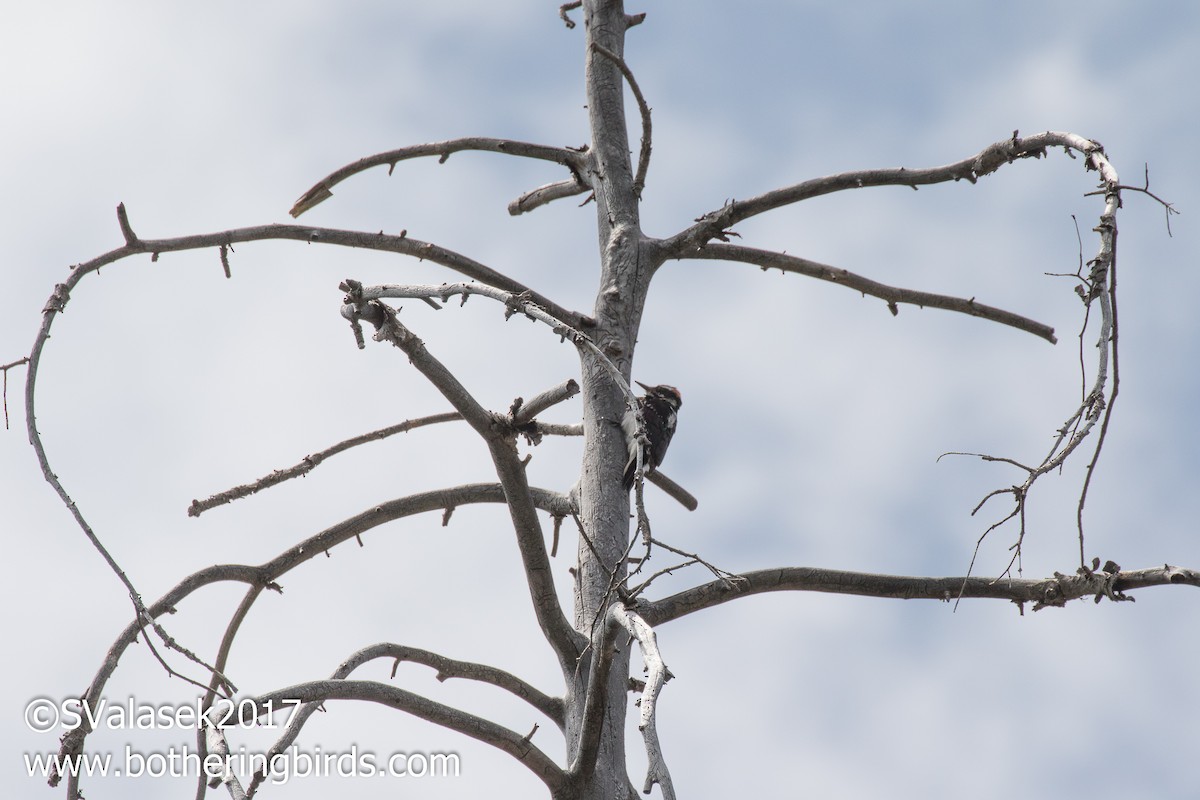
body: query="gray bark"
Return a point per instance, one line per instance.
(625, 270)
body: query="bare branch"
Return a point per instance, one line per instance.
(1054, 591)
(767, 259)
(477, 728)
(559, 429)
(4, 391)
(502, 446)
(692, 558)
(1168, 208)
(695, 242)
(142, 616)
(310, 462)
(639, 180)
(216, 743)
(658, 674)
(170, 643)
(224, 254)
(265, 575)
(969, 169)
(61, 295)
(401, 244)
(564, 8)
(1111, 308)
(525, 413)
(1099, 287)
(514, 304)
(203, 742)
(639, 487)
(543, 195)
(131, 238)
(72, 743)
(448, 668)
(361, 303)
(323, 189)
(673, 490)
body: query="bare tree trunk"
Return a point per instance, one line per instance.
(604, 505)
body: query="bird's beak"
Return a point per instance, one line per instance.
(644, 386)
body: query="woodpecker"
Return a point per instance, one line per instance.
(660, 410)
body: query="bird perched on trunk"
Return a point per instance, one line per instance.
(659, 409)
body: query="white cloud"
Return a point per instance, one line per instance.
(809, 435)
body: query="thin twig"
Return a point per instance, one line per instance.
(1168, 208)
(1098, 289)
(1112, 395)
(4, 392)
(310, 462)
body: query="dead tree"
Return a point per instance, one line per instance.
(615, 602)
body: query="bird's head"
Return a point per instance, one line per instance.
(668, 394)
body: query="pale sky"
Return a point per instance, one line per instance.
(812, 419)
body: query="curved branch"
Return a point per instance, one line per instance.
(71, 744)
(265, 575)
(323, 189)
(483, 730)
(564, 8)
(207, 736)
(1099, 285)
(382, 242)
(767, 259)
(987, 161)
(639, 180)
(1054, 591)
(402, 244)
(448, 668)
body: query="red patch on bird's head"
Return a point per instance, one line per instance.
(664, 391)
